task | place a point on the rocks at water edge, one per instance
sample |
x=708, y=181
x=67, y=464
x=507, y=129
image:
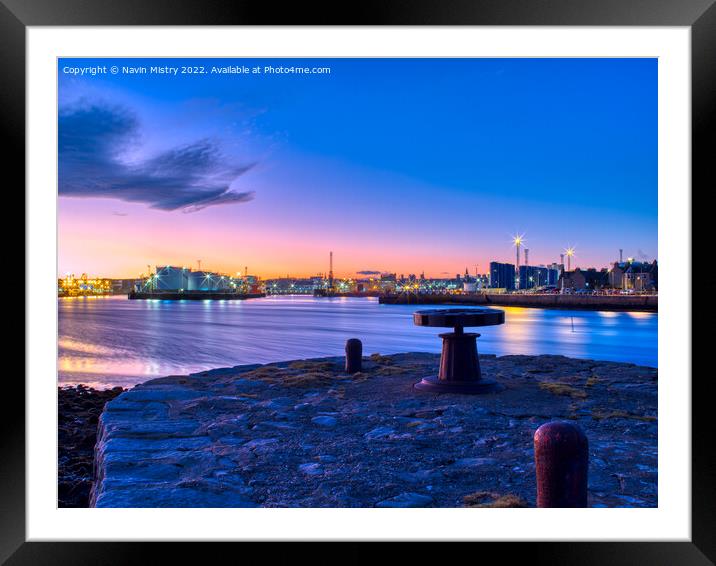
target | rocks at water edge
x=78, y=412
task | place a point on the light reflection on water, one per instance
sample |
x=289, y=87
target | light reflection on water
x=113, y=341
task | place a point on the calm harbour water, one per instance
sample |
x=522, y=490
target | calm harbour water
x=109, y=341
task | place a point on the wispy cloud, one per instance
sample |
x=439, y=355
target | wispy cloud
x=93, y=140
x=368, y=272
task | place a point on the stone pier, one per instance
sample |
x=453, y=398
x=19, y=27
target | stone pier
x=306, y=434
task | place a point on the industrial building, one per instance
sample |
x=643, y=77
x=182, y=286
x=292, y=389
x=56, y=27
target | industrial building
x=534, y=277
x=171, y=278
x=502, y=275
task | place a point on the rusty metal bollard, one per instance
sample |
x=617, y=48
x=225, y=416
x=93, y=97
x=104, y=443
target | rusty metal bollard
x=561, y=461
x=354, y=355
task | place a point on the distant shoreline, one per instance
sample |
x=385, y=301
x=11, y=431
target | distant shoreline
x=616, y=303
x=639, y=303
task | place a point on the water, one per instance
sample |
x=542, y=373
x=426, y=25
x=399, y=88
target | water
x=110, y=341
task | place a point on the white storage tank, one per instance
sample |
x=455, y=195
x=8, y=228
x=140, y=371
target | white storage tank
x=170, y=278
x=469, y=287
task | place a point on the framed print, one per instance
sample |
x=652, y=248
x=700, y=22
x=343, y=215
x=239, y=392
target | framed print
x=293, y=276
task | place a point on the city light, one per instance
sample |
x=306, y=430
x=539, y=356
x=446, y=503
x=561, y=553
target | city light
x=517, y=241
x=629, y=278
x=71, y=286
x=570, y=253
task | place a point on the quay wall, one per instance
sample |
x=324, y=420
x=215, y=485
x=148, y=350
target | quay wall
x=646, y=303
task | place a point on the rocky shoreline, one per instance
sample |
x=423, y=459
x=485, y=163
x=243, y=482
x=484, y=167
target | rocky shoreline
x=79, y=409
x=305, y=434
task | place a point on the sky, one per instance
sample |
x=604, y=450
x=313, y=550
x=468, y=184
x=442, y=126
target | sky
x=395, y=165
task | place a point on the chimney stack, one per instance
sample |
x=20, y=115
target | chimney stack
x=330, y=272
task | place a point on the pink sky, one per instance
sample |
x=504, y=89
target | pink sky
x=396, y=165
x=103, y=237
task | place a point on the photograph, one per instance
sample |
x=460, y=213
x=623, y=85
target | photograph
x=357, y=282
x=386, y=274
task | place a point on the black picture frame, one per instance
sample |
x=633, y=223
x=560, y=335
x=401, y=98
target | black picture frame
x=699, y=15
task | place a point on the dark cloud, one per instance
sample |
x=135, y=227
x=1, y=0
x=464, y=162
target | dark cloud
x=368, y=272
x=188, y=178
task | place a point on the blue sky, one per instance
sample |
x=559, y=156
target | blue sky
x=396, y=164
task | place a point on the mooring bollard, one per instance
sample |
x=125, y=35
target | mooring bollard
x=561, y=461
x=354, y=355
x=459, y=363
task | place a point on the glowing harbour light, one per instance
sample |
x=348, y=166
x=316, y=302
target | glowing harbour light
x=570, y=252
x=517, y=241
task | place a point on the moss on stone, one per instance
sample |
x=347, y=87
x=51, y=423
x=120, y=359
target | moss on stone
x=391, y=370
x=308, y=379
x=564, y=389
x=359, y=377
x=290, y=378
x=601, y=415
x=379, y=359
x=492, y=499
x=592, y=381
x=312, y=366
x=263, y=371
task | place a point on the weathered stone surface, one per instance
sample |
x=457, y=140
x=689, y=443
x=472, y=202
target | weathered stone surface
x=325, y=421
x=406, y=500
x=379, y=432
x=311, y=469
x=305, y=434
